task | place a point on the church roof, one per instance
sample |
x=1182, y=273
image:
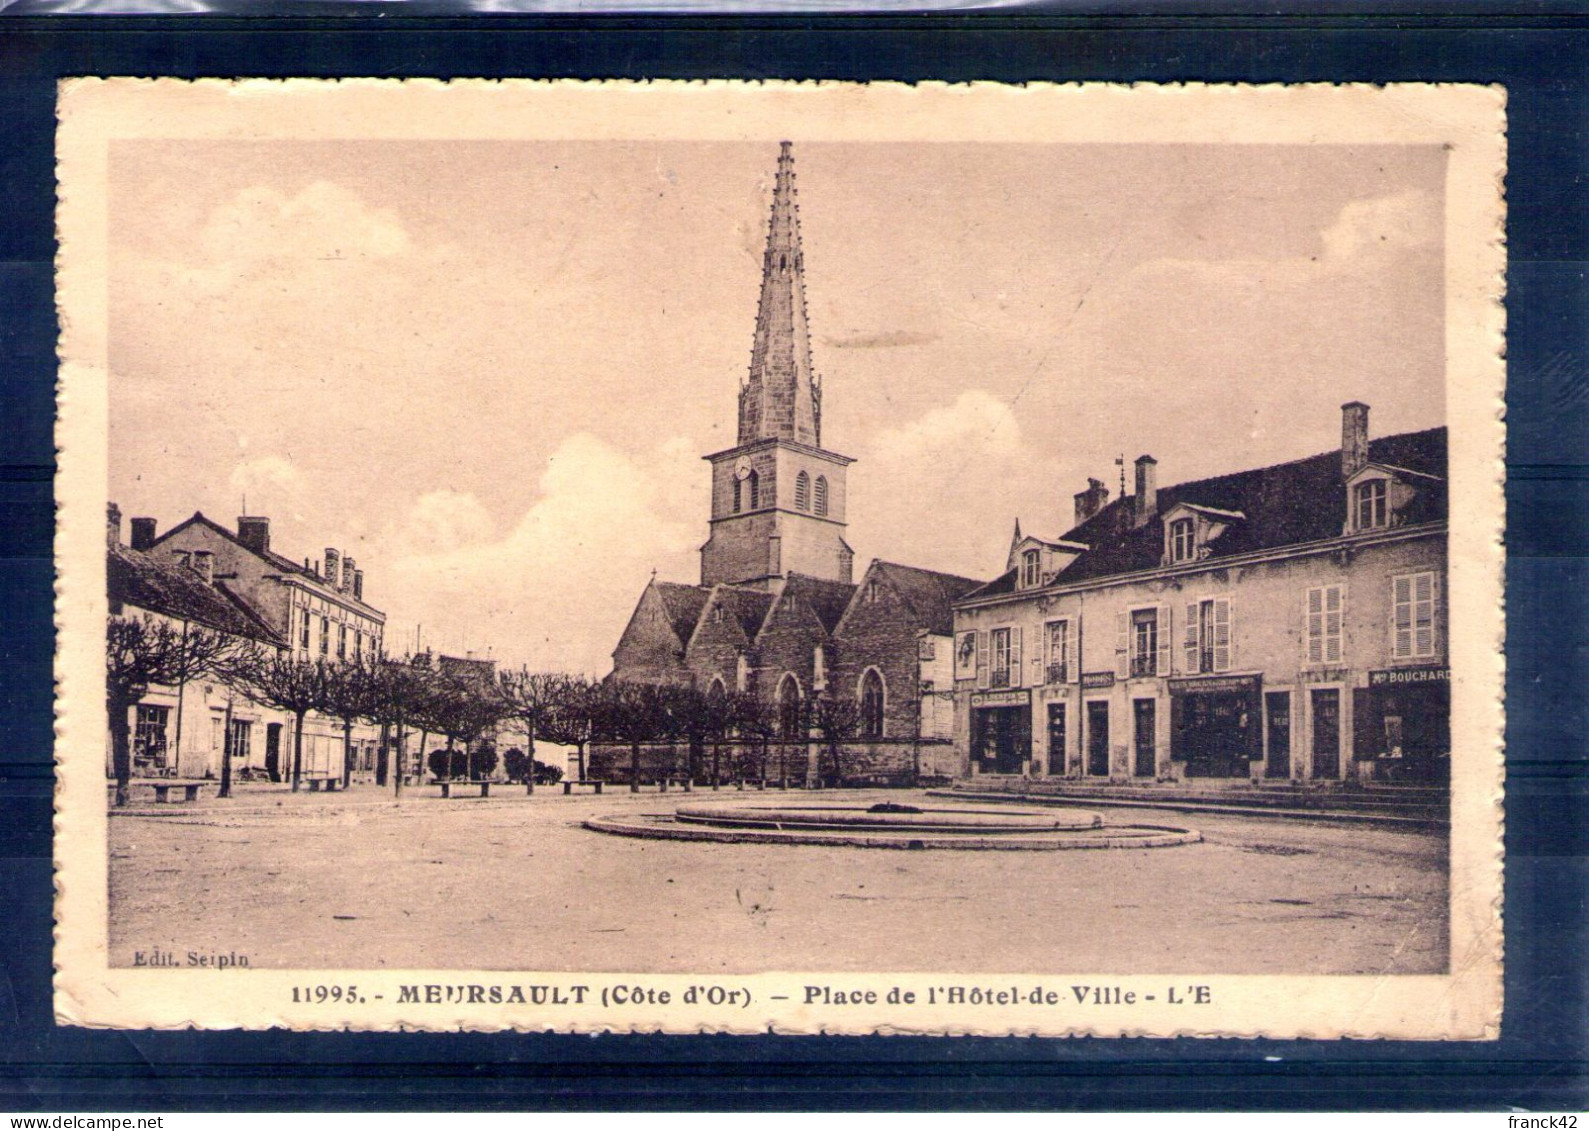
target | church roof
x=826, y=599
x=135, y=578
x=1284, y=504
x=930, y=594
x=683, y=605
x=748, y=606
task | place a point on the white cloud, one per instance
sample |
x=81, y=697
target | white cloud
x=965, y=459
x=556, y=589
x=268, y=482
x=1400, y=221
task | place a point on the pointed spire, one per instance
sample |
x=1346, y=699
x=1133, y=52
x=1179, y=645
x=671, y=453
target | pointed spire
x=781, y=399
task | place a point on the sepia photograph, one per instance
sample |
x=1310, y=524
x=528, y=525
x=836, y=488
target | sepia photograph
x=841, y=559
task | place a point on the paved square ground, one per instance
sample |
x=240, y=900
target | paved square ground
x=352, y=881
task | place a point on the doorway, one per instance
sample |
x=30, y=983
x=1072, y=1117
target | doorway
x=273, y=751
x=1145, y=716
x=1098, y=738
x=1056, y=739
x=1277, y=711
x=1002, y=738
x=1326, y=733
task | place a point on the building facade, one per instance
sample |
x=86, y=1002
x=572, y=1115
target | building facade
x=203, y=573
x=776, y=612
x=1285, y=622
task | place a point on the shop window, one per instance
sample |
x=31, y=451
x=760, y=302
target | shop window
x=1325, y=615
x=1370, y=504
x=1059, y=645
x=1413, y=617
x=1208, y=640
x=802, y=492
x=1183, y=538
x=822, y=495
x=1031, y=568
x=149, y=750
x=871, y=704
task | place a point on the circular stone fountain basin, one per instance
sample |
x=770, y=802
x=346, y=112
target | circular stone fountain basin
x=891, y=826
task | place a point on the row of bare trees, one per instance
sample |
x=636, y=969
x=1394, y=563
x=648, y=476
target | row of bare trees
x=411, y=694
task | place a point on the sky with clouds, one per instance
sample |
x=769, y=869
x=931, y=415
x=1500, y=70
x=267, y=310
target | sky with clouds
x=489, y=370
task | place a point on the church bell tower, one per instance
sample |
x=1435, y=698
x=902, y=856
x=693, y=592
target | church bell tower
x=778, y=496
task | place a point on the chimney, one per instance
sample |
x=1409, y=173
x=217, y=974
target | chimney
x=358, y=584
x=142, y=533
x=1090, y=501
x=1354, y=438
x=113, y=525
x=333, y=569
x=254, y=532
x=347, y=573
x=203, y=563
x=1147, y=504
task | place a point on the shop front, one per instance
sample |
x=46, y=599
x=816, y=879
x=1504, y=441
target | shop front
x=1402, y=724
x=1215, y=726
x=1001, y=731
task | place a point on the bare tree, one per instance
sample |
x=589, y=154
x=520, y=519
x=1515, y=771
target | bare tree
x=835, y=719
x=277, y=679
x=633, y=713
x=398, y=692
x=141, y=651
x=349, y=697
x=572, y=721
x=531, y=698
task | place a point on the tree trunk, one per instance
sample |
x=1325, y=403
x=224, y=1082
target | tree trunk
x=529, y=740
x=398, y=756
x=382, y=755
x=579, y=756
x=347, y=752
x=226, y=752
x=634, y=767
x=121, y=747
x=297, y=749
x=717, y=764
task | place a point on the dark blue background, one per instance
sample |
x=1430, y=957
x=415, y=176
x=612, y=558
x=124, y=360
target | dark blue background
x=1542, y=59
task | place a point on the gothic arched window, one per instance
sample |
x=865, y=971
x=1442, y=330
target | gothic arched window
x=802, y=492
x=789, y=712
x=822, y=495
x=754, y=482
x=739, y=491
x=871, y=704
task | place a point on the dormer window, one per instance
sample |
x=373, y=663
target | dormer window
x=1369, y=503
x=1031, y=568
x=1183, y=540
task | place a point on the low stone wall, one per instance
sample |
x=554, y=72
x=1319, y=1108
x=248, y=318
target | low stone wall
x=887, y=762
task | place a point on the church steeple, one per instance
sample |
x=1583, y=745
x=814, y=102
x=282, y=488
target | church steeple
x=781, y=399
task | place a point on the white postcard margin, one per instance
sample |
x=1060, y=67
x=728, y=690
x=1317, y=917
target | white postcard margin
x=1468, y=120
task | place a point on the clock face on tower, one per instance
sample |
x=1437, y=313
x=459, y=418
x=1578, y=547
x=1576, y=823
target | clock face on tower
x=742, y=467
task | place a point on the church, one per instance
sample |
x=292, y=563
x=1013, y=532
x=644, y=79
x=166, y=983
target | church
x=777, y=612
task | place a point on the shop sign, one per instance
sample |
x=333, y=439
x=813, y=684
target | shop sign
x=1218, y=685
x=1001, y=699
x=1095, y=680
x=1400, y=677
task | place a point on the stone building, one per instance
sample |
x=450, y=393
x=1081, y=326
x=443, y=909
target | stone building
x=777, y=611
x=316, y=610
x=1285, y=622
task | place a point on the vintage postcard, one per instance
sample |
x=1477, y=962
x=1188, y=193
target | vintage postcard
x=811, y=558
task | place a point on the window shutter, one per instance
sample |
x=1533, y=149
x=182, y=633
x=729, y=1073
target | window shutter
x=1313, y=626
x=1122, y=645
x=1332, y=624
x=1073, y=650
x=1222, y=634
x=982, y=657
x=1189, y=641
x=1163, y=662
x=1016, y=675
x=1434, y=615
